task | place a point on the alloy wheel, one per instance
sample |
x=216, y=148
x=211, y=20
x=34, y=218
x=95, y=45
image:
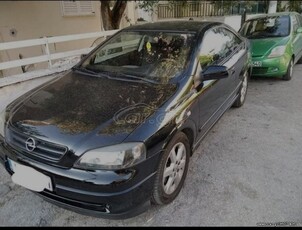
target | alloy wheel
x=174, y=168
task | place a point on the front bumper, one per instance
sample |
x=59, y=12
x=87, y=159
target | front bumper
x=271, y=67
x=107, y=194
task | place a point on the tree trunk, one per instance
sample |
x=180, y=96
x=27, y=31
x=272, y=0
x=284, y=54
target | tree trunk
x=112, y=18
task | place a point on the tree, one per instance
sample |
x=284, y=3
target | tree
x=294, y=6
x=112, y=17
x=113, y=11
x=148, y=5
x=226, y=7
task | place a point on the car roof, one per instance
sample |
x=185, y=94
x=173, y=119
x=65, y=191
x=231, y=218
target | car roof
x=273, y=14
x=177, y=26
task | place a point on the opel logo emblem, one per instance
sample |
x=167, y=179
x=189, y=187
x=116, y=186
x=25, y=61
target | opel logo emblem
x=30, y=144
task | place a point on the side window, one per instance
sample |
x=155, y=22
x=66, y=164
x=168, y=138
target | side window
x=217, y=45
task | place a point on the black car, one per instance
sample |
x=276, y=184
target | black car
x=116, y=133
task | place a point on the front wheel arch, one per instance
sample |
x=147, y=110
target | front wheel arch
x=189, y=128
x=190, y=135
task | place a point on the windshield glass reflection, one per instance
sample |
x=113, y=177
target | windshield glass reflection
x=152, y=55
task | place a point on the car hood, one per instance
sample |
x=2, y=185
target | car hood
x=262, y=47
x=78, y=109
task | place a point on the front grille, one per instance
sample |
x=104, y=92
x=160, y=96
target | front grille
x=43, y=149
x=260, y=70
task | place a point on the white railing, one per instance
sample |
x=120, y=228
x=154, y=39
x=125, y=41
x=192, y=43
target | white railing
x=48, y=56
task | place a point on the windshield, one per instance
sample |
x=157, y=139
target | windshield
x=274, y=26
x=158, y=56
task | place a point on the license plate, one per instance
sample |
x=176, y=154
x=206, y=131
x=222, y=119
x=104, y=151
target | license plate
x=257, y=63
x=29, y=177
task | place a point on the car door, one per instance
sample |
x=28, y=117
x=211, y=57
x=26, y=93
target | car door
x=218, y=47
x=297, y=37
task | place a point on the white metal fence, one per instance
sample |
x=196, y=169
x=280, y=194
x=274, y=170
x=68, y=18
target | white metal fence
x=48, y=56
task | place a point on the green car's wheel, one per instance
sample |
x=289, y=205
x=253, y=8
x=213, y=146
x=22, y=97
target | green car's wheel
x=290, y=70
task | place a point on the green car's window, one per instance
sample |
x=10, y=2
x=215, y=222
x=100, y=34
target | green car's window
x=273, y=26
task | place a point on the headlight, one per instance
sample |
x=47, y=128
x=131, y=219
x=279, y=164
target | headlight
x=277, y=51
x=2, y=122
x=113, y=157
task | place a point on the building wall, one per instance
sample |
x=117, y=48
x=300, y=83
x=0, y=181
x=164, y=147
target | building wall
x=36, y=19
x=131, y=13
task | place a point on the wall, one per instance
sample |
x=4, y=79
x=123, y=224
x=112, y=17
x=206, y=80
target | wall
x=131, y=13
x=35, y=19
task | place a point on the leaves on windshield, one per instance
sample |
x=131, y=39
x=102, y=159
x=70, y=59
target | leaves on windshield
x=154, y=55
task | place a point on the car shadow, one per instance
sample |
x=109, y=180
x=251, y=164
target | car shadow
x=269, y=80
x=259, y=78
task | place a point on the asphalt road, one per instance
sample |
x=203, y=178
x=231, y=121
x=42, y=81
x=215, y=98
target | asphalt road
x=246, y=171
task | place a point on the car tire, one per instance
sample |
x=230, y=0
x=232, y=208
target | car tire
x=172, y=170
x=290, y=70
x=242, y=91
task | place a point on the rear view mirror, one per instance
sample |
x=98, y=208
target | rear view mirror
x=214, y=72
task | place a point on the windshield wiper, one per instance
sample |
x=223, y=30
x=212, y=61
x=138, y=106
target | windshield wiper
x=91, y=72
x=130, y=76
x=113, y=75
x=82, y=69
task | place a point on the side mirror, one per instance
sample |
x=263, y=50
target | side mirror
x=214, y=72
x=299, y=30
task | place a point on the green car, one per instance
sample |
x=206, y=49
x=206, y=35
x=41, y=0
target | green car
x=276, y=41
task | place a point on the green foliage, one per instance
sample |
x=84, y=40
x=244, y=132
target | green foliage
x=294, y=6
x=291, y=5
x=150, y=6
x=147, y=5
x=226, y=6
